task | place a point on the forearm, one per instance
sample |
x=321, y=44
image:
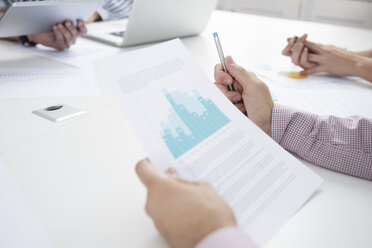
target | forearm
x=95, y=17
x=339, y=144
x=115, y=9
x=366, y=53
x=364, y=68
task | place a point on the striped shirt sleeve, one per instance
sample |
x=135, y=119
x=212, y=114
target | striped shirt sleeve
x=339, y=144
x=4, y=4
x=115, y=9
x=227, y=237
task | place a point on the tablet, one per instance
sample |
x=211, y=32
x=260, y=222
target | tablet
x=24, y=18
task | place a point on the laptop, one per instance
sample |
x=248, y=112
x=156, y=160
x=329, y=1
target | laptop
x=154, y=20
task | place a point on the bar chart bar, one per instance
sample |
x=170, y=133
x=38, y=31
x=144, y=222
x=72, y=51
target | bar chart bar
x=191, y=120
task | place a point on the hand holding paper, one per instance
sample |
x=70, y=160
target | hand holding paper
x=184, y=121
x=180, y=207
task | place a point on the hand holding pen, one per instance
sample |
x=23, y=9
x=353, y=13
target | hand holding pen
x=222, y=57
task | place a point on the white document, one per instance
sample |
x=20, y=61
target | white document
x=184, y=121
x=19, y=226
x=83, y=53
x=321, y=94
x=46, y=82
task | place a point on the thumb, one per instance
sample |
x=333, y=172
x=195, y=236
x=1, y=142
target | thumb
x=314, y=47
x=312, y=71
x=244, y=78
x=238, y=72
x=147, y=173
x=172, y=173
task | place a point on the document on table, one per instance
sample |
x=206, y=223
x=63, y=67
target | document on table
x=321, y=94
x=80, y=54
x=184, y=121
x=46, y=82
x=19, y=226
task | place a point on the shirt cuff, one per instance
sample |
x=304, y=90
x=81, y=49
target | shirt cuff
x=103, y=13
x=289, y=126
x=227, y=237
x=281, y=116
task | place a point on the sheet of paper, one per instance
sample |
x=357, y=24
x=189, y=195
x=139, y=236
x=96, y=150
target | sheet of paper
x=320, y=94
x=183, y=121
x=19, y=227
x=83, y=53
x=46, y=82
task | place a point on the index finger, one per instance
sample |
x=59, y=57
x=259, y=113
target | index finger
x=221, y=76
x=59, y=41
x=147, y=173
x=313, y=47
x=82, y=28
x=287, y=50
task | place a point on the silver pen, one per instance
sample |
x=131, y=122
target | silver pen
x=221, y=55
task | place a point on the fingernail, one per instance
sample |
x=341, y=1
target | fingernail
x=227, y=80
x=230, y=61
x=171, y=171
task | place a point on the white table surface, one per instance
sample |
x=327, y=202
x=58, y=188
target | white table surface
x=79, y=177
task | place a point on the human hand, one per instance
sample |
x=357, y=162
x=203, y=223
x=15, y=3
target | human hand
x=316, y=58
x=63, y=36
x=298, y=53
x=253, y=96
x=184, y=212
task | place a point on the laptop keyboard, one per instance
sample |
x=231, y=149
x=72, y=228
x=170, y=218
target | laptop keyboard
x=119, y=34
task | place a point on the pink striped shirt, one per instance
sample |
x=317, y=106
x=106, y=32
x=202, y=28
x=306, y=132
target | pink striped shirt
x=339, y=144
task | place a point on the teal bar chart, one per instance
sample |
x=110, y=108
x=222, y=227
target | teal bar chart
x=191, y=120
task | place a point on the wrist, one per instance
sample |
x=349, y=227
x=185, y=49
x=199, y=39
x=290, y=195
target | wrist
x=27, y=41
x=267, y=127
x=363, y=68
x=205, y=231
x=95, y=17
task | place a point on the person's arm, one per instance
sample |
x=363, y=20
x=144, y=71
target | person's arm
x=94, y=18
x=189, y=214
x=316, y=58
x=339, y=144
x=115, y=9
x=364, y=68
x=366, y=53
